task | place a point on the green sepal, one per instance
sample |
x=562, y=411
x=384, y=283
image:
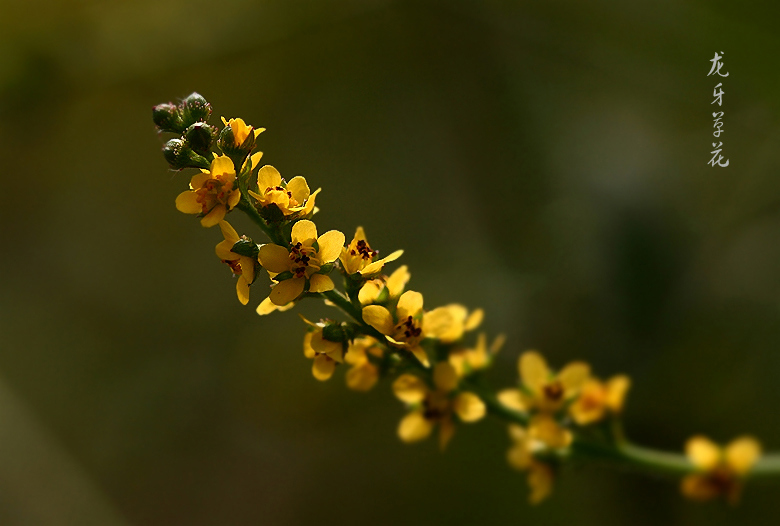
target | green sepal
x=271, y=213
x=167, y=117
x=283, y=276
x=200, y=136
x=325, y=269
x=180, y=156
x=246, y=247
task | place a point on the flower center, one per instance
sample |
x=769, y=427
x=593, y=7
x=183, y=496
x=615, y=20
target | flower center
x=235, y=266
x=409, y=329
x=553, y=391
x=302, y=257
x=363, y=250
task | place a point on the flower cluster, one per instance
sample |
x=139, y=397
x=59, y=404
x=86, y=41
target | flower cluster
x=435, y=358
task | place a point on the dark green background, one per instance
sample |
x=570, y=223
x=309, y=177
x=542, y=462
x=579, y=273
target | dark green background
x=544, y=160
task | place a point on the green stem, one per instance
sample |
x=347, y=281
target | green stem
x=633, y=457
x=273, y=234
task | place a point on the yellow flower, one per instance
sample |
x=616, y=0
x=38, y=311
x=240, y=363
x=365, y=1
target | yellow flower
x=521, y=457
x=597, y=399
x=241, y=266
x=212, y=192
x=363, y=374
x=721, y=471
x=383, y=289
x=467, y=361
x=302, y=261
x=291, y=198
x=407, y=331
x=325, y=353
x=358, y=256
x=431, y=407
x=241, y=130
x=449, y=323
x=544, y=391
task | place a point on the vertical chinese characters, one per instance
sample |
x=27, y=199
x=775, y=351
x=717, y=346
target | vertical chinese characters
x=717, y=158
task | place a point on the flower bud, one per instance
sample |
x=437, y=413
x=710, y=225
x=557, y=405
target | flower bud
x=167, y=117
x=195, y=108
x=246, y=247
x=199, y=137
x=334, y=331
x=180, y=156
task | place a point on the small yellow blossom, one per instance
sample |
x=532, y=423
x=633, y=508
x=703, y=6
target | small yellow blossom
x=521, y=457
x=467, y=361
x=597, y=399
x=291, y=198
x=406, y=330
x=325, y=353
x=544, y=391
x=363, y=374
x=241, y=130
x=449, y=323
x=359, y=258
x=379, y=290
x=721, y=471
x=241, y=266
x=431, y=407
x=212, y=192
x=303, y=261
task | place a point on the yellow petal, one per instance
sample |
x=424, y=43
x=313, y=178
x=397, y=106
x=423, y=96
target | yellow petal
x=222, y=165
x=398, y=280
x=323, y=367
x=379, y=318
x=255, y=159
x=376, y=266
x=187, y=202
x=444, y=377
x=469, y=407
x=223, y=251
x=228, y=232
x=323, y=346
x=498, y=343
x=267, y=307
x=409, y=304
x=414, y=427
x=362, y=378
x=617, y=387
x=287, y=291
x=360, y=234
x=216, y=215
x=268, y=177
x=308, y=351
x=199, y=179
x=533, y=370
x=474, y=320
x=242, y=290
x=274, y=258
x=702, y=452
x=513, y=399
x=544, y=428
x=519, y=457
x=742, y=453
x=410, y=389
x=421, y=355
x=369, y=292
x=320, y=283
x=331, y=243
x=540, y=480
x=446, y=431
x=299, y=189
x=517, y=433
x=234, y=198
x=443, y=323
x=573, y=376
x=303, y=231
x=310, y=203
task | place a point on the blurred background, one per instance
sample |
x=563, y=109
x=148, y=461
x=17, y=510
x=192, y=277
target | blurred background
x=547, y=161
